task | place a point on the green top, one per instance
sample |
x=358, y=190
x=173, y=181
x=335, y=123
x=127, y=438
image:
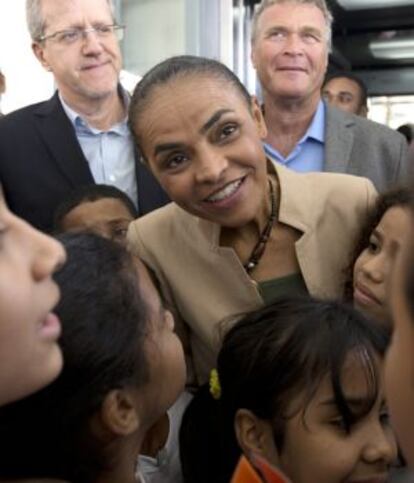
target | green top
x=292, y=284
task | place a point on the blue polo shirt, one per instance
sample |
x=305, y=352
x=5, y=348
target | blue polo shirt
x=308, y=154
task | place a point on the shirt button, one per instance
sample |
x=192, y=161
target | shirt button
x=112, y=178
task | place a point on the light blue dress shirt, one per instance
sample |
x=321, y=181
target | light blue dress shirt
x=110, y=153
x=308, y=154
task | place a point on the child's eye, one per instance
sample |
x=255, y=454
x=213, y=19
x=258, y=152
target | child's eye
x=373, y=246
x=384, y=417
x=337, y=423
x=340, y=425
x=119, y=233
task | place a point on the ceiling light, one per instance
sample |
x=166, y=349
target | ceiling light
x=370, y=4
x=393, y=49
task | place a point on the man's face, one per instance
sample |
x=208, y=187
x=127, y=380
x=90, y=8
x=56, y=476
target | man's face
x=290, y=51
x=344, y=94
x=88, y=69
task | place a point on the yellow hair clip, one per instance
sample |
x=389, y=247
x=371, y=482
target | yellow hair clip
x=215, y=388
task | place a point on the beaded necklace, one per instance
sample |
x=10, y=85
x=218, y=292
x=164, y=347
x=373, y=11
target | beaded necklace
x=260, y=246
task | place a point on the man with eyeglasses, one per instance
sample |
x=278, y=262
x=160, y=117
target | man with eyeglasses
x=80, y=135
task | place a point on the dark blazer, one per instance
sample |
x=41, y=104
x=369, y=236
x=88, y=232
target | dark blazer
x=361, y=147
x=41, y=161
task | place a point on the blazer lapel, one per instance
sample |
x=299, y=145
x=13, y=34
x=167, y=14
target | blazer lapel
x=297, y=210
x=59, y=136
x=307, y=252
x=339, y=139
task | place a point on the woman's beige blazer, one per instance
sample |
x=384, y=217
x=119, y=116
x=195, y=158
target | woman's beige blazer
x=206, y=284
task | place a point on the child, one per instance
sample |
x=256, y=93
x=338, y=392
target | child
x=124, y=367
x=98, y=208
x=299, y=384
x=159, y=459
x=29, y=354
x=380, y=241
x=107, y=211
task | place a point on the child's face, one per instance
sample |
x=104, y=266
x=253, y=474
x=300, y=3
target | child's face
x=107, y=217
x=399, y=366
x=317, y=447
x=165, y=353
x=29, y=354
x=373, y=267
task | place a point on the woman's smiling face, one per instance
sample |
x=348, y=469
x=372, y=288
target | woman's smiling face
x=203, y=143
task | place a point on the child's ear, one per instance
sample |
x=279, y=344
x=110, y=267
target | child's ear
x=119, y=414
x=255, y=435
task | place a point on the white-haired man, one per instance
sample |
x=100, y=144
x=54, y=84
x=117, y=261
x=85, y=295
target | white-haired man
x=291, y=40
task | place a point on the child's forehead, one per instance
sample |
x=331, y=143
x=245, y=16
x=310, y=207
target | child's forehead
x=102, y=208
x=360, y=372
x=115, y=204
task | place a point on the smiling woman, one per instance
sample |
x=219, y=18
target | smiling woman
x=240, y=231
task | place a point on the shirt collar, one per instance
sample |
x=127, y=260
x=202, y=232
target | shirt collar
x=316, y=130
x=79, y=123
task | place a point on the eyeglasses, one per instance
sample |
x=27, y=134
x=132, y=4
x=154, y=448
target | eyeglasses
x=73, y=36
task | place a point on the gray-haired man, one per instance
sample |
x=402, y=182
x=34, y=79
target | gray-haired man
x=291, y=40
x=80, y=135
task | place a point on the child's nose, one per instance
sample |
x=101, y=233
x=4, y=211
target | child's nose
x=381, y=446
